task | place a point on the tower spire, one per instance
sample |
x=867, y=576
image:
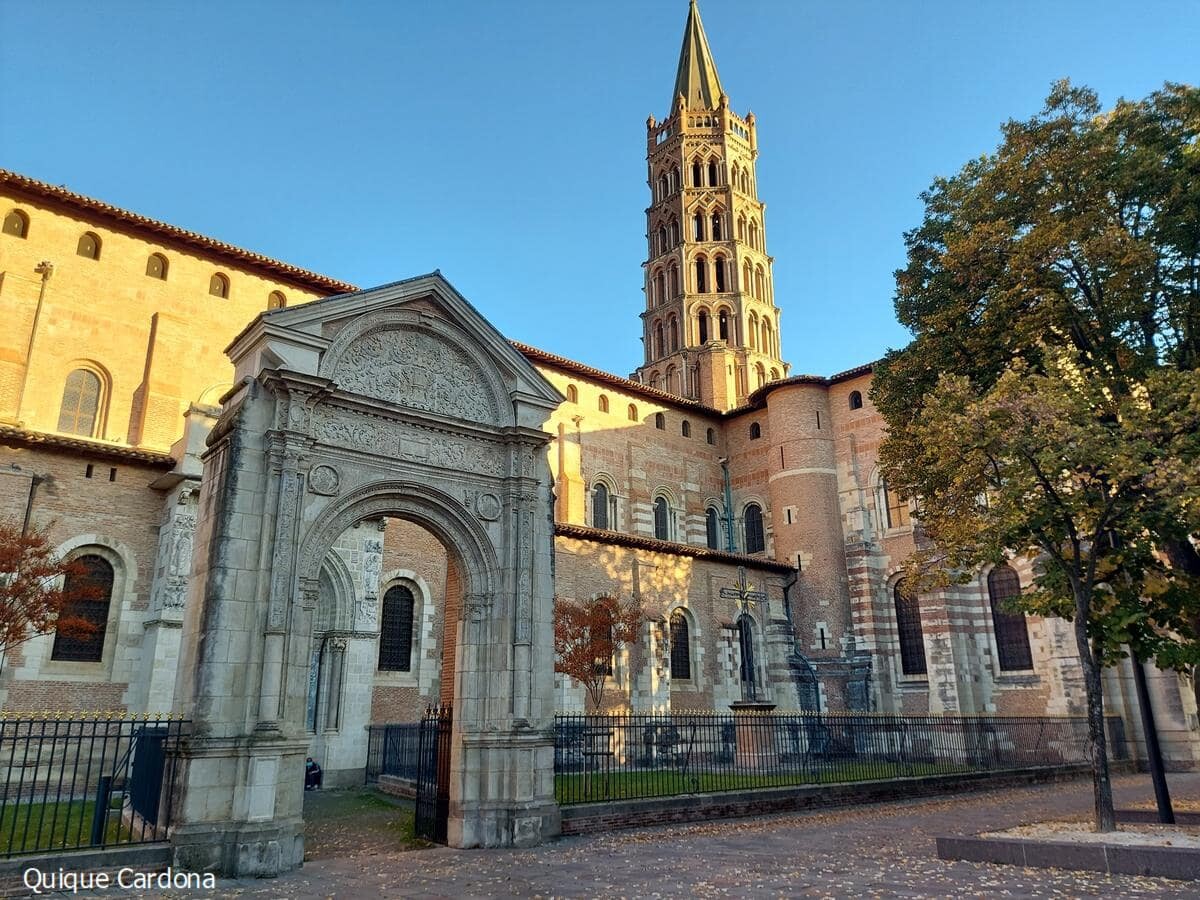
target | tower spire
x=696, y=78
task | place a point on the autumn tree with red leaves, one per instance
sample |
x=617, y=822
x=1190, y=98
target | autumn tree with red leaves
x=34, y=584
x=587, y=633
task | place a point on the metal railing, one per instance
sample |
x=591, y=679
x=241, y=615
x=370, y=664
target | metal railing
x=393, y=750
x=622, y=757
x=71, y=783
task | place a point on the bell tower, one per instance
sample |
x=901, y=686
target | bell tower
x=710, y=327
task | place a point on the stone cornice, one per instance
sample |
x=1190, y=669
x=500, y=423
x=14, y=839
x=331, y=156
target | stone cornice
x=11, y=435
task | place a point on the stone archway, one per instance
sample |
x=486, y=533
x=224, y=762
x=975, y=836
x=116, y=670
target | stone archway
x=402, y=402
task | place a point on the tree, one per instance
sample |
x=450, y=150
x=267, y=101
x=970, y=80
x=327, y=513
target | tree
x=34, y=584
x=587, y=634
x=1053, y=291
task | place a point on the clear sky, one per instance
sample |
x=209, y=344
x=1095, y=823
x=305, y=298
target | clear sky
x=504, y=142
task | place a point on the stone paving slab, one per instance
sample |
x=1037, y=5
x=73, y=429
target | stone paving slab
x=884, y=850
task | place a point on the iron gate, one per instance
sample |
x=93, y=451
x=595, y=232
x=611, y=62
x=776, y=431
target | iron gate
x=433, y=775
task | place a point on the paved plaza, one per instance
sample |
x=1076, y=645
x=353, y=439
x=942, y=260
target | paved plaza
x=885, y=850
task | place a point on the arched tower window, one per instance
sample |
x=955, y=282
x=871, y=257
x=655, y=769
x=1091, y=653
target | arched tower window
x=664, y=186
x=752, y=331
x=658, y=292
x=748, y=278
x=908, y=627
x=675, y=180
x=396, y=630
x=673, y=232
x=701, y=275
x=603, y=403
x=1012, y=634
x=673, y=279
x=698, y=226
x=662, y=519
x=712, y=526
x=768, y=345
x=760, y=283
x=697, y=174
x=719, y=268
x=760, y=373
x=218, y=285
x=156, y=266
x=756, y=541
x=89, y=591
x=600, y=506
x=16, y=224
x=658, y=340
x=723, y=325
x=856, y=400
x=669, y=380
x=681, y=647
x=88, y=246
x=702, y=326
x=673, y=334
x=716, y=227
x=741, y=228
x=712, y=173
x=80, y=409
x=754, y=234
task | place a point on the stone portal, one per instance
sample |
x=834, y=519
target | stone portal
x=400, y=401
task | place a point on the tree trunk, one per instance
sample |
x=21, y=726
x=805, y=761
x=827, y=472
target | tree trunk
x=1106, y=819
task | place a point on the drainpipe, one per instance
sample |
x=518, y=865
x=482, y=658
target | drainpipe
x=724, y=461
x=45, y=268
x=34, y=481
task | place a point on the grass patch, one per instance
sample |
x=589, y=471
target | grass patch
x=31, y=827
x=347, y=823
x=596, y=787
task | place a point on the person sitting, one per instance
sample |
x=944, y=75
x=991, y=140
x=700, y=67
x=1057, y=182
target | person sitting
x=312, y=775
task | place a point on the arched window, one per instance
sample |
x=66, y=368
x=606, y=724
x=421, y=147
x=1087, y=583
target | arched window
x=669, y=379
x=752, y=518
x=895, y=507
x=276, y=300
x=856, y=400
x=659, y=290
x=602, y=404
x=662, y=519
x=675, y=179
x=723, y=325
x=712, y=173
x=673, y=334
x=710, y=436
x=396, y=630
x=218, y=285
x=760, y=283
x=741, y=232
x=572, y=394
x=632, y=412
x=664, y=186
x=662, y=238
x=774, y=374
x=89, y=590
x=768, y=345
x=698, y=226
x=88, y=246
x=673, y=279
x=908, y=627
x=716, y=227
x=681, y=647
x=755, y=431
x=697, y=174
x=156, y=266
x=752, y=331
x=712, y=527
x=80, y=409
x=1012, y=635
x=754, y=234
x=655, y=379
x=660, y=421
x=600, y=506
x=701, y=275
x=748, y=278
x=658, y=340
x=720, y=273
x=686, y=428
x=760, y=374
x=16, y=223
x=702, y=326
x=733, y=175
x=673, y=232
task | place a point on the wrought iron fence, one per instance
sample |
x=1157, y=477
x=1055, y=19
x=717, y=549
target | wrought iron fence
x=71, y=783
x=393, y=750
x=620, y=757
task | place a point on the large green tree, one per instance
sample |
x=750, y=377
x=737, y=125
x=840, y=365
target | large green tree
x=1045, y=404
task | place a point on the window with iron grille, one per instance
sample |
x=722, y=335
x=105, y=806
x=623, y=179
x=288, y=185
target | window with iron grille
x=80, y=403
x=908, y=626
x=681, y=646
x=91, y=587
x=756, y=541
x=1012, y=635
x=396, y=630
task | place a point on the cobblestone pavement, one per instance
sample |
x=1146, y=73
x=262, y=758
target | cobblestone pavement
x=884, y=850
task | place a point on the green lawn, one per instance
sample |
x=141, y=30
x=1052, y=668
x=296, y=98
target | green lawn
x=588, y=788
x=30, y=827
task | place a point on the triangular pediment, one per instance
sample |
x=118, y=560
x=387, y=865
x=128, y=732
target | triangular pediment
x=417, y=343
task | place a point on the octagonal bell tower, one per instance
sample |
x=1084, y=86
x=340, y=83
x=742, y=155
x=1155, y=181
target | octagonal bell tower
x=710, y=326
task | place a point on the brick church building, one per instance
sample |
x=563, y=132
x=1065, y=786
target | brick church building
x=714, y=465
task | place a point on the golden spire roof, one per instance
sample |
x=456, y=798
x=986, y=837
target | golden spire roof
x=697, y=78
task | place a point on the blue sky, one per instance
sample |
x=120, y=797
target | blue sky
x=504, y=142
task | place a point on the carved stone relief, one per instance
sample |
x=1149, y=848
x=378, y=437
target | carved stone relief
x=415, y=369
x=324, y=480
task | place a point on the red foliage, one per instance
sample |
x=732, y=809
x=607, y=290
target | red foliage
x=587, y=634
x=32, y=581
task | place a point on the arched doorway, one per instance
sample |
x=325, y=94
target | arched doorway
x=395, y=403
